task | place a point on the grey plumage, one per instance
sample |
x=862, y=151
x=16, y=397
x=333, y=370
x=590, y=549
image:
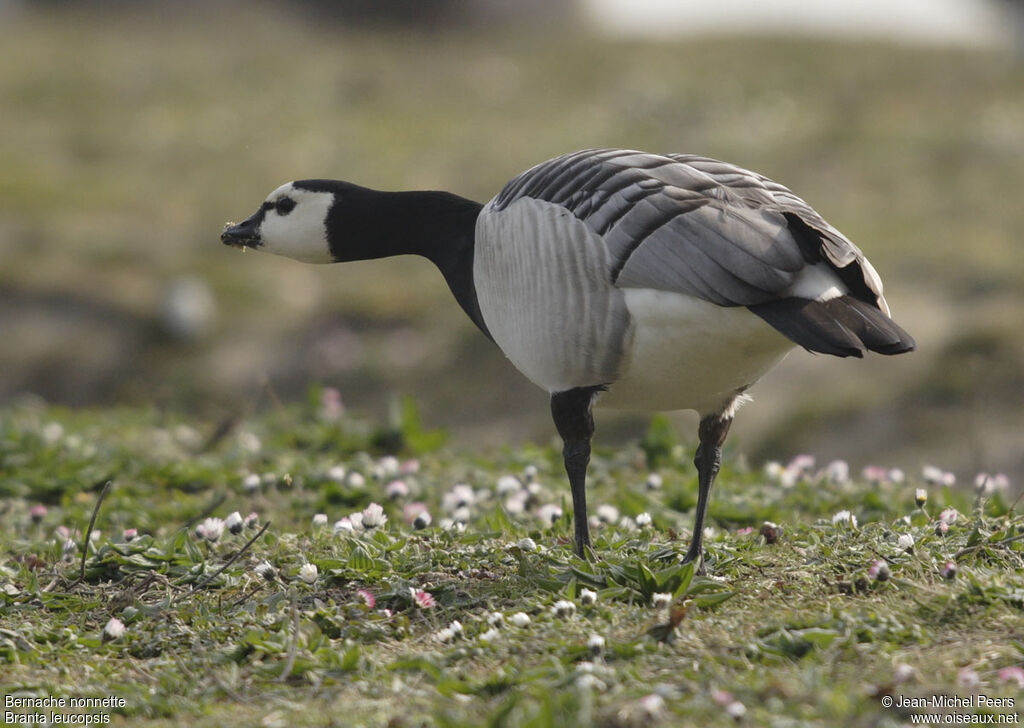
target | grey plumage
x=694, y=225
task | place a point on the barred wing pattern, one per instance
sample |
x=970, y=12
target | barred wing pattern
x=694, y=225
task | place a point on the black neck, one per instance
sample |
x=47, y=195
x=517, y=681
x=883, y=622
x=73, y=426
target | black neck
x=365, y=224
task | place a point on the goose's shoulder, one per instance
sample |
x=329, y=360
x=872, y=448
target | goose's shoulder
x=581, y=181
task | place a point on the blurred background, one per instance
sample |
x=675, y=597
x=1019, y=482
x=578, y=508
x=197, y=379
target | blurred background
x=130, y=132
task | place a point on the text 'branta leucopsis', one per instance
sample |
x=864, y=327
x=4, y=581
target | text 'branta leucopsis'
x=645, y=281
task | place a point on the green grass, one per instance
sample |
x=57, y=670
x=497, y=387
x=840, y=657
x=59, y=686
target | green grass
x=797, y=631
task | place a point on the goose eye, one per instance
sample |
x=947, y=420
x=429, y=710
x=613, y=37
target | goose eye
x=284, y=205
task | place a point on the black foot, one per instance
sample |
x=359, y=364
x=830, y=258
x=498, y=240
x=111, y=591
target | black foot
x=571, y=412
x=712, y=432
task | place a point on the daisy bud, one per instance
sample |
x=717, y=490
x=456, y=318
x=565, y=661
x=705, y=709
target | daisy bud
x=587, y=597
x=526, y=544
x=251, y=520
x=265, y=571
x=844, y=517
x=460, y=496
x=920, y=497
x=130, y=534
x=251, y=483
x=234, y=523
x=549, y=513
x=838, y=472
x=941, y=528
x=879, y=571
x=37, y=513
x=495, y=619
x=515, y=503
x=905, y=542
x=607, y=513
x=653, y=482
x=308, y=573
x=342, y=525
x=736, y=710
x=212, y=529
x=770, y=531
x=490, y=635
x=802, y=464
x=661, y=600
x=422, y=599
x=114, y=629
x=651, y=706
x=368, y=599
x=967, y=678
x=595, y=643
x=563, y=608
x=319, y=520
x=1012, y=674
x=530, y=473
x=422, y=520
x=520, y=619
x=901, y=673
x=949, y=570
x=508, y=484
x=643, y=520
x=396, y=489
x=875, y=474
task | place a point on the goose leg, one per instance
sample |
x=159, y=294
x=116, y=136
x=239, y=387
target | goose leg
x=571, y=411
x=712, y=432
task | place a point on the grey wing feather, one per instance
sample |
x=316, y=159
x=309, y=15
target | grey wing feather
x=696, y=225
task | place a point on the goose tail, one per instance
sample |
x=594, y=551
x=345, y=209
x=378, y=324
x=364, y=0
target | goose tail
x=841, y=326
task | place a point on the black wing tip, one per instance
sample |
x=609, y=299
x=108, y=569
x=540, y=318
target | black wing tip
x=843, y=326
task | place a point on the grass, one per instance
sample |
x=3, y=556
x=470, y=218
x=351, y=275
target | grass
x=800, y=631
x=125, y=145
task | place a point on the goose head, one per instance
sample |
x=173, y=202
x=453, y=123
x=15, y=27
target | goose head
x=292, y=222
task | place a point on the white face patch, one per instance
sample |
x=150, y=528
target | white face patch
x=298, y=230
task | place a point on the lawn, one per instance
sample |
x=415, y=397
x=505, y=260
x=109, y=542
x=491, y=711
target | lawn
x=825, y=595
x=127, y=141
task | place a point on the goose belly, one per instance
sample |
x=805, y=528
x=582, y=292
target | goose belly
x=687, y=353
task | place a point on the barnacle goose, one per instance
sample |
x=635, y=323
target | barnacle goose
x=648, y=281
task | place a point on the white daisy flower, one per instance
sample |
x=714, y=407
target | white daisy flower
x=373, y=516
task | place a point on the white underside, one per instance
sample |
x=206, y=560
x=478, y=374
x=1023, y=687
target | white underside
x=687, y=353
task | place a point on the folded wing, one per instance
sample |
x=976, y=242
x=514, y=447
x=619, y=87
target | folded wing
x=709, y=229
